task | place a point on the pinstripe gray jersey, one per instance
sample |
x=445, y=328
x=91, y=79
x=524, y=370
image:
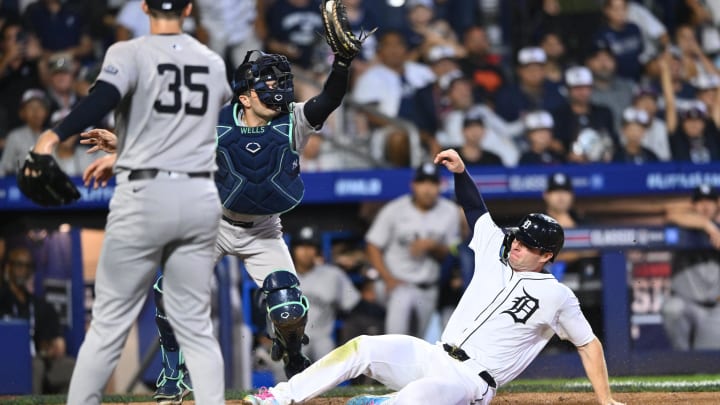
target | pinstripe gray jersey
x=172, y=89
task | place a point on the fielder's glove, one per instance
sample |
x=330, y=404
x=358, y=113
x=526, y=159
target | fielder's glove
x=45, y=183
x=344, y=44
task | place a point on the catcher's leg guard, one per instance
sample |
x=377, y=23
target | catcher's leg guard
x=287, y=310
x=173, y=381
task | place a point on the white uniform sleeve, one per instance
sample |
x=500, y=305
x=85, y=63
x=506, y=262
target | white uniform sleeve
x=380, y=231
x=571, y=323
x=301, y=127
x=119, y=67
x=484, y=231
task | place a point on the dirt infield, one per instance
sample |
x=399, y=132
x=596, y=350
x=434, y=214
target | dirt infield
x=564, y=398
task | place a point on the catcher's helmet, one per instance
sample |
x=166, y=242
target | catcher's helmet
x=538, y=231
x=257, y=69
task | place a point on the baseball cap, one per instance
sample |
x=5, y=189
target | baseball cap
x=531, y=54
x=600, y=45
x=704, y=192
x=472, y=119
x=645, y=90
x=635, y=115
x=424, y=3
x=446, y=80
x=427, y=172
x=307, y=235
x=578, y=76
x=167, y=5
x=694, y=109
x=538, y=120
x=705, y=81
x=440, y=52
x=60, y=63
x=559, y=181
x=34, y=94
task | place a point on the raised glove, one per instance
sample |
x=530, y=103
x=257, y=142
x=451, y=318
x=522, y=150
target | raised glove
x=45, y=183
x=344, y=44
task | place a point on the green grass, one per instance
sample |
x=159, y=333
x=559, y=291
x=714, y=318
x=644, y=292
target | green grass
x=678, y=383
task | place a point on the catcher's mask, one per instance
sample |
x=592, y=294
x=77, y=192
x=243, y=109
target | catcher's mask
x=257, y=69
x=537, y=231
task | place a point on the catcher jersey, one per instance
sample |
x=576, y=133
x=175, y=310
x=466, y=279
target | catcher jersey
x=172, y=89
x=505, y=318
x=257, y=176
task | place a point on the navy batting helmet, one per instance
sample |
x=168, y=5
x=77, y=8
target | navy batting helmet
x=257, y=69
x=539, y=231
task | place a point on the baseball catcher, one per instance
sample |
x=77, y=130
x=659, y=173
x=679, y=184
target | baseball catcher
x=42, y=181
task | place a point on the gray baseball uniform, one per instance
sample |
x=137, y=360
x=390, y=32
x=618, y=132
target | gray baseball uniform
x=328, y=289
x=172, y=89
x=261, y=247
x=396, y=226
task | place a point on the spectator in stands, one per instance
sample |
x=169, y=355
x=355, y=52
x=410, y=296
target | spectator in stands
x=407, y=241
x=61, y=84
x=670, y=59
x=580, y=113
x=400, y=80
x=694, y=61
x=532, y=91
x=60, y=29
x=654, y=33
x=362, y=17
x=232, y=27
x=552, y=43
x=315, y=158
x=292, y=31
x=51, y=365
x=472, y=152
x=609, y=90
x=327, y=288
x=542, y=145
x=426, y=31
x=656, y=135
x=623, y=37
x=634, y=125
x=693, y=137
x=690, y=314
x=459, y=102
x=34, y=110
x=481, y=65
x=707, y=87
x=19, y=71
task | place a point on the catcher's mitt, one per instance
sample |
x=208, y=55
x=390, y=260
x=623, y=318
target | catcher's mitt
x=45, y=183
x=344, y=44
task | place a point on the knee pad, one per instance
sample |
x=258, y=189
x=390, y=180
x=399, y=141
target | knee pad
x=283, y=299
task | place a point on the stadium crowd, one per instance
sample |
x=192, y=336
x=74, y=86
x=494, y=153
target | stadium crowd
x=504, y=82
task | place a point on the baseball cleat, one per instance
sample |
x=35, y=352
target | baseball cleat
x=263, y=397
x=369, y=400
x=171, y=391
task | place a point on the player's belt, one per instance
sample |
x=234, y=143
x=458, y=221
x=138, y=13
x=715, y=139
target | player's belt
x=460, y=355
x=241, y=224
x=149, y=174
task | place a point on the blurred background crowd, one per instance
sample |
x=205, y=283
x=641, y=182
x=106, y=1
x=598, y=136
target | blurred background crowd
x=506, y=83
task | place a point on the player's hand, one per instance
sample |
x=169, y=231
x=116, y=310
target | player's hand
x=101, y=139
x=420, y=247
x=391, y=283
x=99, y=171
x=450, y=159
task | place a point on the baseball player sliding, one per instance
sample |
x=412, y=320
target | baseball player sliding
x=259, y=137
x=508, y=313
x=168, y=90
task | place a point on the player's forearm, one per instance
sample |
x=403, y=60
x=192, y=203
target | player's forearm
x=593, y=360
x=468, y=196
x=319, y=108
x=377, y=262
x=93, y=108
